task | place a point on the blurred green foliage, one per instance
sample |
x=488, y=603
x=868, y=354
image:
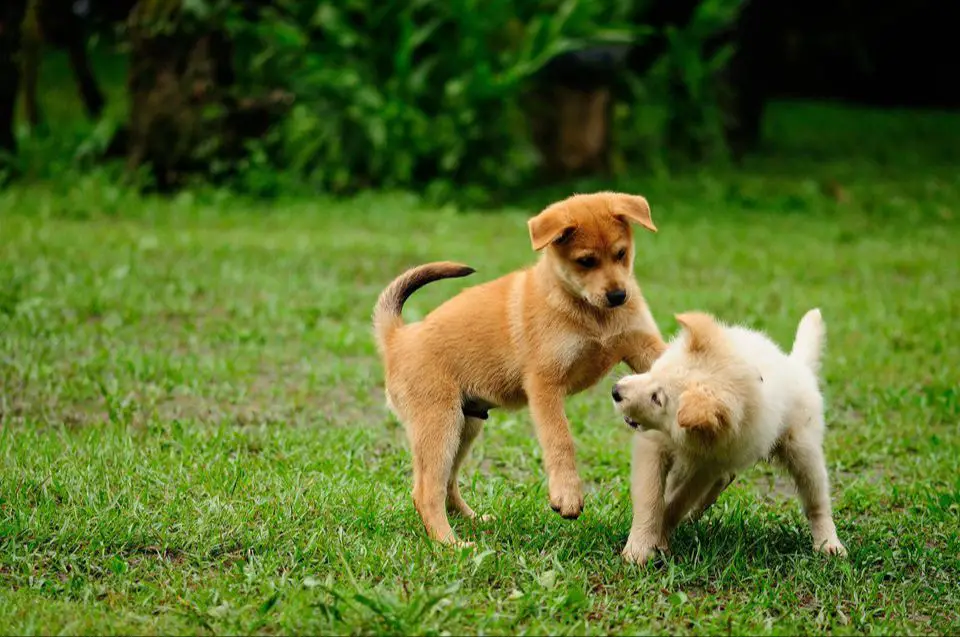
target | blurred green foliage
x=410, y=92
x=429, y=93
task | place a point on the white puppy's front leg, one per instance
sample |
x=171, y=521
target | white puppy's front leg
x=710, y=497
x=683, y=473
x=802, y=455
x=690, y=494
x=651, y=461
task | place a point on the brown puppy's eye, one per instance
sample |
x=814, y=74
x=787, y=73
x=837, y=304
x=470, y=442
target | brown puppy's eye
x=655, y=397
x=621, y=255
x=564, y=236
x=587, y=262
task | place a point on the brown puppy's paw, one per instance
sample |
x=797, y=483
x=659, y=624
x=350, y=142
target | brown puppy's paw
x=567, y=499
x=486, y=517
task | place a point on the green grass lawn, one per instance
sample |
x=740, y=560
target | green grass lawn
x=194, y=437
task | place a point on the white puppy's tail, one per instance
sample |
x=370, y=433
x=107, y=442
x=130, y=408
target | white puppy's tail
x=808, y=344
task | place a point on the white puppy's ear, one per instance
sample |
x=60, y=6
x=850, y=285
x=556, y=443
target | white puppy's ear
x=703, y=333
x=632, y=208
x=700, y=410
x=550, y=225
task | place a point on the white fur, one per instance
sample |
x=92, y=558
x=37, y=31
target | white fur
x=768, y=405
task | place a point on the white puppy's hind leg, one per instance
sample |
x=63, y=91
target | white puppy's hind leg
x=802, y=455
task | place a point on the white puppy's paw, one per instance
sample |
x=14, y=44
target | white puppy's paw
x=832, y=547
x=486, y=517
x=638, y=551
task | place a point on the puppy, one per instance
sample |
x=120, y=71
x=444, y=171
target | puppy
x=531, y=337
x=718, y=400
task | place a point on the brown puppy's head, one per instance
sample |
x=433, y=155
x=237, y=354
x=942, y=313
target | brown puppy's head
x=589, y=244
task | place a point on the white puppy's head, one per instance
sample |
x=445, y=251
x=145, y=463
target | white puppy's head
x=695, y=388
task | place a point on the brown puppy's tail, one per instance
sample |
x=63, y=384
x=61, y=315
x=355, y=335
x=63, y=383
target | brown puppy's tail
x=386, y=314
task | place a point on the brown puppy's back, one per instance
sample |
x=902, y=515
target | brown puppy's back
x=479, y=356
x=386, y=314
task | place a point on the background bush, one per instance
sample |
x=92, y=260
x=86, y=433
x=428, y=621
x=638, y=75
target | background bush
x=428, y=93
x=402, y=93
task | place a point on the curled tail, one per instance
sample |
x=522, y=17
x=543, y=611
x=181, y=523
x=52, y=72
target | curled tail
x=386, y=314
x=808, y=344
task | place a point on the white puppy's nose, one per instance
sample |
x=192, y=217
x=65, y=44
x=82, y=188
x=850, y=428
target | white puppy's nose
x=616, y=394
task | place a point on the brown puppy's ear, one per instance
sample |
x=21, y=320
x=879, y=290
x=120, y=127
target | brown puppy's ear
x=632, y=208
x=548, y=226
x=701, y=411
x=702, y=330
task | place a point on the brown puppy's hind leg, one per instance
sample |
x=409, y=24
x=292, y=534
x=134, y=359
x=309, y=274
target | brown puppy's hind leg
x=455, y=502
x=435, y=429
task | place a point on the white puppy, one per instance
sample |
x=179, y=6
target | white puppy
x=716, y=402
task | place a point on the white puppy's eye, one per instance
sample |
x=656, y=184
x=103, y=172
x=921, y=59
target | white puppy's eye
x=655, y=397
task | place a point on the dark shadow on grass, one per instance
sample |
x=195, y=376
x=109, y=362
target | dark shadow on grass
x=714, y=542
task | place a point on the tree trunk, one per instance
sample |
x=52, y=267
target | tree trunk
x=11, y=23
x=183, y=114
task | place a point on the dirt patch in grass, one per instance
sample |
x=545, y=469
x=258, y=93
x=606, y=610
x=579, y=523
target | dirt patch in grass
x=36, y=409
x=773, y=483
x=136, y=555
x=278, y=395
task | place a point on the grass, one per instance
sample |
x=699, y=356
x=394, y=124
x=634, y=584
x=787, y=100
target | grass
x=194, y=439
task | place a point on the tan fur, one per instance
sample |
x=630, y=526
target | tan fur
x=701, y=411
x=702, y=331
x=531, y=337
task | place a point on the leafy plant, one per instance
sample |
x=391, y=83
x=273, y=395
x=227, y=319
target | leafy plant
x=426, y=95
x=691, y=80
x=413, y=92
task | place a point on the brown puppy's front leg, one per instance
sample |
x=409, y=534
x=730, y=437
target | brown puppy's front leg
x=553, y=430
x=641, y=349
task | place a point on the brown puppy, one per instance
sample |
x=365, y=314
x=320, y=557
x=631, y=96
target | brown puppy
x=531, y=337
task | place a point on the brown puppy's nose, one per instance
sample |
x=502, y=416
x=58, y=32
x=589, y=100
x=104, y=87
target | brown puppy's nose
x=616, y=394
x=616, y=297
